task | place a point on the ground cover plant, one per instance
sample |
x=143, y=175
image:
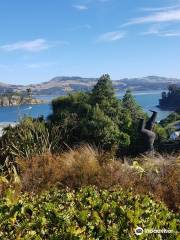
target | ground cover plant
x=87, y=213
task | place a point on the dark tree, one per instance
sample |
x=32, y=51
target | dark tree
x=29, y=92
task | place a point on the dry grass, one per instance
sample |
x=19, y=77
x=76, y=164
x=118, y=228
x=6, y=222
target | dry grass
x=161, y=177
x=74, y=168
x=158, y=175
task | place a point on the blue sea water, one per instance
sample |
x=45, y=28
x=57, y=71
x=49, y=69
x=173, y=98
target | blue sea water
x=148, y=100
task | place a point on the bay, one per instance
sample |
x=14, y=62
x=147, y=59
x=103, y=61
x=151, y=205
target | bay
x=147, y=100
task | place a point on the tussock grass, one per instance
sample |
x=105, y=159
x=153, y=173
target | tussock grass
x=156, y=175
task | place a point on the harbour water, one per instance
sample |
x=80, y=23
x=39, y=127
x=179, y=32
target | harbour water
x=147, y=100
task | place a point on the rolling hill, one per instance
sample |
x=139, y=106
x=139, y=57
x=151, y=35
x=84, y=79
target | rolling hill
x=63, y=85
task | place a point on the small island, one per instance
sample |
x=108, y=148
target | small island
x=170, y=100
x=15, y=98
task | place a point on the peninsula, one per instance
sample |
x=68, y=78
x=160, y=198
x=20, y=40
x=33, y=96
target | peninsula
x=15, y=99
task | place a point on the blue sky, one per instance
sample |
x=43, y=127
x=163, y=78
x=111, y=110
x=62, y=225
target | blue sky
x=41, y=39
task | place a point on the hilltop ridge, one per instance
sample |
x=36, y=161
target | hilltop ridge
x=64, y=84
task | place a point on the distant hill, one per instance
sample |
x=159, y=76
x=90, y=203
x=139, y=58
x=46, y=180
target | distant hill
x=64, y=84
x=4, y=87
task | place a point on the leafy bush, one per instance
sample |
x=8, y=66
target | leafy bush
x=87, y=213
x=161, y=134
x=169, y=126
x=173, y=117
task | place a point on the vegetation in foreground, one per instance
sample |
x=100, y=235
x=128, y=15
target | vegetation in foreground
x=158, y=176
x=87, y=213
x=39, y=155
x=98, y=118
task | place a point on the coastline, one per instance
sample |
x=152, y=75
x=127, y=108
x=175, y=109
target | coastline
x=8, y=101
x=26, y=104
x=166, y=108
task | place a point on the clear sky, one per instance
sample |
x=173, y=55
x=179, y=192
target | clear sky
x=41, y=39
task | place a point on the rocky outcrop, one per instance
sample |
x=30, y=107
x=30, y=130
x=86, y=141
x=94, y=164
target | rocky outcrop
x=171, y=99
x=15, y=100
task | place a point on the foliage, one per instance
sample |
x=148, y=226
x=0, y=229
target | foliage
x=161, y=134
x=24, y=140
x=84, y=212
x=103, y=90
x=97, y=117
x=85, y=166
x=172, y=118
x=74, y=168
x=170, y=124
x=135, y=112
x=87, y=213
x=130, y=103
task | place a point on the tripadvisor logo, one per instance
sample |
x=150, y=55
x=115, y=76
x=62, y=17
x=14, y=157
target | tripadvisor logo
x=138, y=231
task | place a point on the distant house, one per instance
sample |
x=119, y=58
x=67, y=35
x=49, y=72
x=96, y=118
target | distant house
x=175, y=135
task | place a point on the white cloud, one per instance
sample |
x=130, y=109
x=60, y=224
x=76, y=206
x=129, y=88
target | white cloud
x=160, y=8
x=81, y=7
x=111, y=36
x=159, y=31
x=30, y=46
x=170, y=34
x=157, y=17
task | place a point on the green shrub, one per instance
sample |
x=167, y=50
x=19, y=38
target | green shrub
x=161, y=134
x=172, y=118
x=24, y=140
x=84, y=214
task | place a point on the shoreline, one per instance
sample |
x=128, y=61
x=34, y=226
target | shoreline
x=26, y=104
x=166, y=108
x=18, y=100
